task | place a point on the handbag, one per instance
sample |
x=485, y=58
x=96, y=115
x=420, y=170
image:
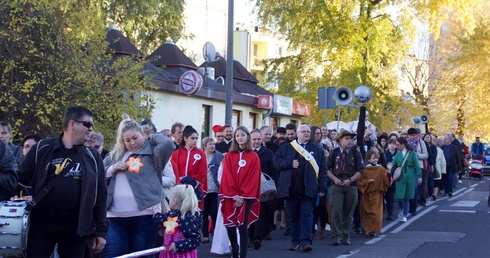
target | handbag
x=398, y=171
x=267, y=188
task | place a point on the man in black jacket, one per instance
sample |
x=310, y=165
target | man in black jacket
x=75, y=206
x=263, y=227
x=8, y=175
x=302, y=179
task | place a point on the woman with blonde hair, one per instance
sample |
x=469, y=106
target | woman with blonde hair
x=134, y=171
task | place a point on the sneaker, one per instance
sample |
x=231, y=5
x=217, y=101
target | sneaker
x=403, y=219
x=460, y=182
x=433, y=198
x=450, y=194
x=327, y=227
x=400, y=215
x=390, y=216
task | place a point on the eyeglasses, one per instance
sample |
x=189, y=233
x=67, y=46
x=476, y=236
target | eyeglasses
x=87, y=124
x=305, y=131
x=318, y=133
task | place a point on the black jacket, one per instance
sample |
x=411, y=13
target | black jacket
x=8, y=175
x=34, y=170
x=283, y=161
x=266, y=157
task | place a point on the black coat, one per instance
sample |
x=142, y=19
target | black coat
x=34, y=171
x=8, y=175
x=283, y=161
x=266, y=157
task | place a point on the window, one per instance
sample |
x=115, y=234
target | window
x=252, y=121
x=206, y=121
x=235, y=119
x=273, y=122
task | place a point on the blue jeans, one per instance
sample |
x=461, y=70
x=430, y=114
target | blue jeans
x=415, y=201
x=448, y=188
x=300, y=218
x=403, y=204
x=127, y=235
x=390, y=199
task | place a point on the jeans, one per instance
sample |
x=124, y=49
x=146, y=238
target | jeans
x=127, y=235
x=448, y=187
x=41, y=244
x=430, y=184
x=390, y=199
x=403, y=204
x=414, y=202
x=300, y=218
x=423, y=186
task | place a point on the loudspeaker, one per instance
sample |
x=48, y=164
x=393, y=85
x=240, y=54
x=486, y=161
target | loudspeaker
x=362, y=94
x=424, y=119
x=343, y=96
x=417, y=119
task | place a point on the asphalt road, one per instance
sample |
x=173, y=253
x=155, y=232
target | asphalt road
x=455, y=226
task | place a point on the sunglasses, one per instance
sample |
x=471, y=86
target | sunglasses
x=85, y=123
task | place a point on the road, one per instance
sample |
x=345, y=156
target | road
x=455, y=226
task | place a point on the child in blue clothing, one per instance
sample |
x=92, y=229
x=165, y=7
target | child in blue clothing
x=182, y=224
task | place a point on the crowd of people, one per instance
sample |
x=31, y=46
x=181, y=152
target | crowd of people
x=159, y=189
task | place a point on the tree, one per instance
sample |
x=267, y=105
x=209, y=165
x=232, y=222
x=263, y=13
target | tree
x=339, y=43
x=462, y=88
x=147, y=23
x=53, y=55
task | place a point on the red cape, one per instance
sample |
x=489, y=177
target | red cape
x=191, y=163
x=240, y=181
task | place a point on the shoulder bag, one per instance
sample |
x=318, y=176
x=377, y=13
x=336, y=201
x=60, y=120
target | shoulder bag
x=398, y=171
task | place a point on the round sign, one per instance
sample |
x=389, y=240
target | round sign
x=190, y=82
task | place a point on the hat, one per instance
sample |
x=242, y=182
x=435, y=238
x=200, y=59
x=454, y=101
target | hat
x=217, y=128
x=344, y=133
x=281, y=130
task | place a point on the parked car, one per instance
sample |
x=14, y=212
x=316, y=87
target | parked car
x=486, y=167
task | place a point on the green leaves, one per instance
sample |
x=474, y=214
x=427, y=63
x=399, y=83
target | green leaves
x=53, y=55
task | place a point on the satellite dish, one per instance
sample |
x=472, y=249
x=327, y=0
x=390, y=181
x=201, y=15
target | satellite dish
x=209, y=52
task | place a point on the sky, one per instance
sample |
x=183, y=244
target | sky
x=242, y=11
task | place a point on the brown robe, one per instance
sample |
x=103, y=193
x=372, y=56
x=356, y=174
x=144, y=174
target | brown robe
x=372, y=197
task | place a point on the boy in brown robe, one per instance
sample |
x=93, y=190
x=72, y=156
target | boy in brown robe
x=373, y=184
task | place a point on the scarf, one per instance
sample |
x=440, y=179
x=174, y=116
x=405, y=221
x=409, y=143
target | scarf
x=412, y=143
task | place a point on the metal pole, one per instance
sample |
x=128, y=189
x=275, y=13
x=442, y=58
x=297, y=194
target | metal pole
x=229, y=66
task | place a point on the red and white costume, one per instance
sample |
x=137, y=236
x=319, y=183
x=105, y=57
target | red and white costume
x=241, y=177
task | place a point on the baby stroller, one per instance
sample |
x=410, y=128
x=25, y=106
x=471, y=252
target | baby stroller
x=476, y=166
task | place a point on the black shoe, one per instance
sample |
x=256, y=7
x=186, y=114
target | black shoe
x=346, y=241
x=450, y=194
x=336, y=241
x=373, y=234
x=250, y=244
x=307, y=248
x=267, y=237
x=257, y=244
x=286, y=232
x=390, y=216
x=357, y=230
x=294, y=248
x=274, y=227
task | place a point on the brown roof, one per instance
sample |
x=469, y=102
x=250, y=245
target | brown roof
x=170, y=55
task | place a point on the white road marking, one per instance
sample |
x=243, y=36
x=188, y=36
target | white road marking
x=474, y=185
x=465, y=203
x=351, y=252
x=374, y=240
x=460, y=190
x=406, y=224
x=465, y=192
x=458, y=211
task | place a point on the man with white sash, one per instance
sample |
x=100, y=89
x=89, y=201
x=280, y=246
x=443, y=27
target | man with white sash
x=302, y=178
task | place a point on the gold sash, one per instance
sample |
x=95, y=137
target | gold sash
x=306, y=155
